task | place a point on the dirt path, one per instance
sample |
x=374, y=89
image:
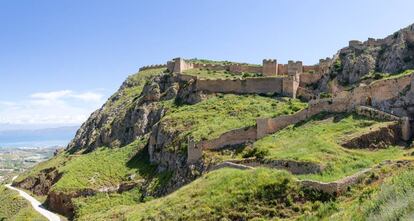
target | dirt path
x=35, y=204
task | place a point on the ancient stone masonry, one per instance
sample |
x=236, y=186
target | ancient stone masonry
x=295, y=167
x=336, y=187
x=347, y=101
x=270, y=67
x=287, y=85
x=242, y=86
x=404, y=122
x=156, y=66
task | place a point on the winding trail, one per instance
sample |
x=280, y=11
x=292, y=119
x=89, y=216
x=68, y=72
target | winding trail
x=35, y=204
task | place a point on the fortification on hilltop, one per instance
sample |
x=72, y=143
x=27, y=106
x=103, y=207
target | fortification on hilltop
x=284, y=79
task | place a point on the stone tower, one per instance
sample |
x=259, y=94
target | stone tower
x=269, y=67
x=291, y=82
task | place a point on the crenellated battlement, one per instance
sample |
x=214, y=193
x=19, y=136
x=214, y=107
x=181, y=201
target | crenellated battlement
x=155, y=66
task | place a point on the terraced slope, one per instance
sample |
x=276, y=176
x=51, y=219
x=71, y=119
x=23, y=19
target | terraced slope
x=319, y=141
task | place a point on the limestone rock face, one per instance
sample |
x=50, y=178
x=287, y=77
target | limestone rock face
x=392, y=54
x=355, y=68
x=124, y=118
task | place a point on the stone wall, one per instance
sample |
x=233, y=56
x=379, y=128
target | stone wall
x=156, y=66
x=295, y=167
x=241, y=86
x=267, y=126
x=294, y=67
x=290, y=85
x=239, y=68
x=377, y=93
x=194, y=152
x=336, y=187
x=233, y=137
x=270, y=67
x=375, y=114
x=404, y=122
x=180, y=65
x=309, y=78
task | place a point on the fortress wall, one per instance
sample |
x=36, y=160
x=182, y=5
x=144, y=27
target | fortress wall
x=282, y=69
x=377, y=92
x=404, y=122
x=212, y=67
x=237, y=68
x=336, y=187
x=267, y=126
x=295, y=167
x=290, y=85
x=241, y=86
x=311, y=68
x=233, y=137
x=156, y=66
x=376, y=114
x=307, y=78
x=270, y=67
x=186, y=77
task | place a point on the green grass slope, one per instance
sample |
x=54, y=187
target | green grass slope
x=211, y=118
x=318, y=141
x=15, y=208
x=225, y=194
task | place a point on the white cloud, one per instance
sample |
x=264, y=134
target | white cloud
x=55, y=107
x=53, y=95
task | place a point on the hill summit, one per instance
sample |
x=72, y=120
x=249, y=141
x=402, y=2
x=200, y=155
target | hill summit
x=197, y=139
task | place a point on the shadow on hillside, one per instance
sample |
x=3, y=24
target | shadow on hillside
x=140, y=161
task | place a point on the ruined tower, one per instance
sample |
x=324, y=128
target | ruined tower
x=269, y=67
x=291, y=82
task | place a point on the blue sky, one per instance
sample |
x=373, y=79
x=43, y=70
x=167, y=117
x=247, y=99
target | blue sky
x=60, y=60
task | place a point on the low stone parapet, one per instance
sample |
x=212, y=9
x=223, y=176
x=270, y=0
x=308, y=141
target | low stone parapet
x=295, y=167
x=336, y=187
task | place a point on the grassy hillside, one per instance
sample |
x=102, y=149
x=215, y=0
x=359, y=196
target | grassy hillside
x=105, y=167
x=212, y=117
x=226, y=194
x=13, y=207
x=318, y=140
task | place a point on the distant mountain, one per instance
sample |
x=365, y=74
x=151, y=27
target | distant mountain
x=37, y=137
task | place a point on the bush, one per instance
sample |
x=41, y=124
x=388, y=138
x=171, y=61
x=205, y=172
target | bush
x=259, y=153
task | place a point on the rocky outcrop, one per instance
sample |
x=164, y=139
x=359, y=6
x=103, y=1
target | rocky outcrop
x=393, y=54
x=40, y=184
x=124, y=118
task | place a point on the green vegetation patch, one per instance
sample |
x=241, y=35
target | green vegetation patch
x=105, y=201
x=226, y=194
x=385, y=76
x=105, y=167
x=54, y=162
x=385, y=194
x=394, y=200
x=211, y=118
x=318, y=141
x=13, y=207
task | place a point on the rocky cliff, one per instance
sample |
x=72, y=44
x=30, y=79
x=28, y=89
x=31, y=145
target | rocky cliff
x=392, y=54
